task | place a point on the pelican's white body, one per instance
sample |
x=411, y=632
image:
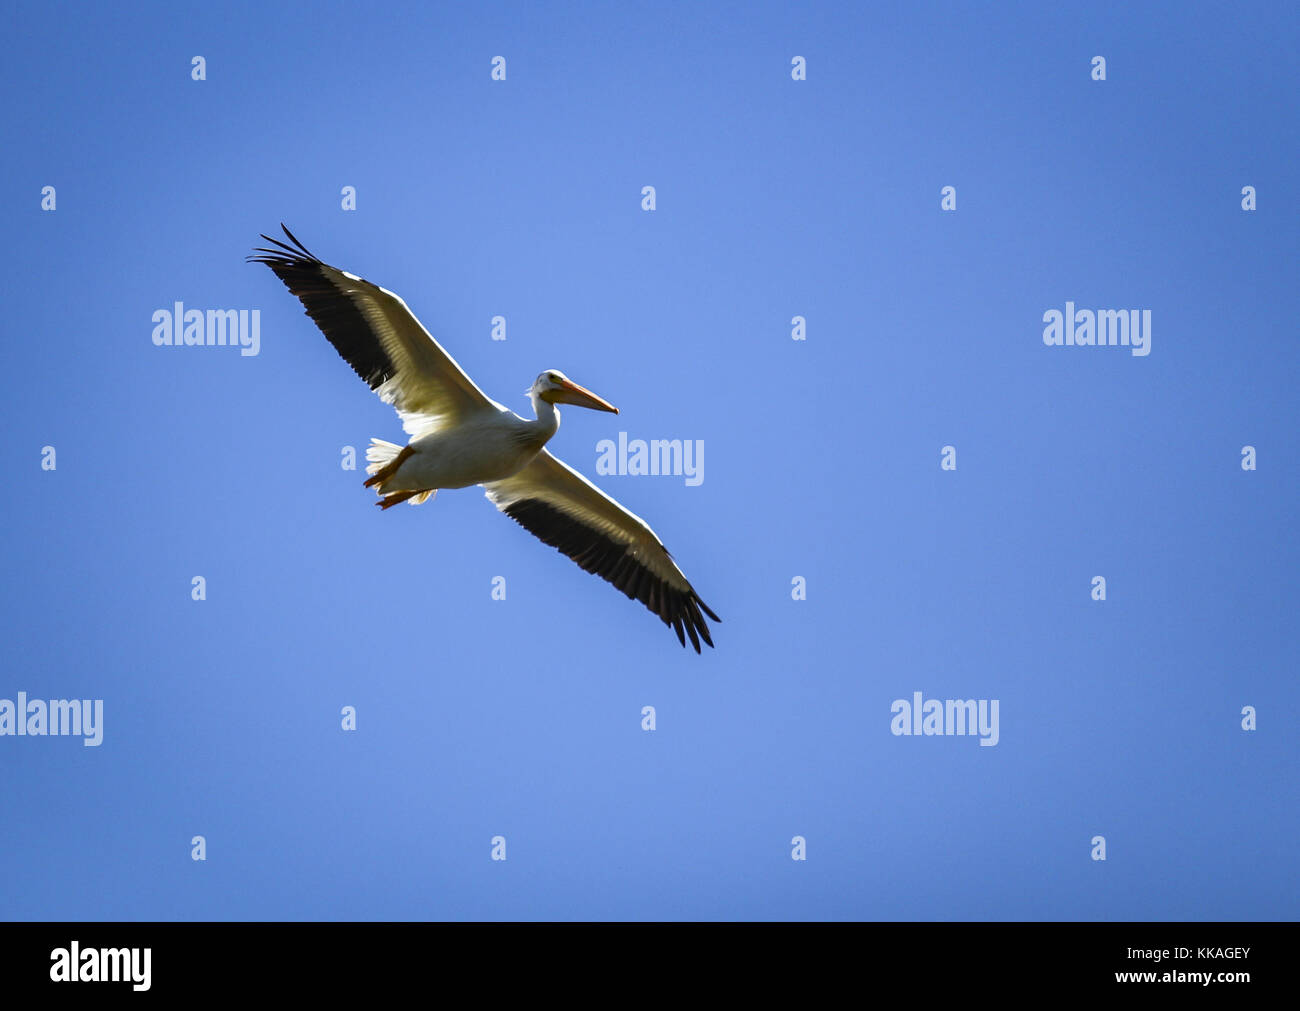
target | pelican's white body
x=489, y=445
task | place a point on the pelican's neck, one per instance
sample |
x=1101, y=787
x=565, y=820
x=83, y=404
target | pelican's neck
x=548, y=418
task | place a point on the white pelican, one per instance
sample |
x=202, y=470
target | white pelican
x=461, y=437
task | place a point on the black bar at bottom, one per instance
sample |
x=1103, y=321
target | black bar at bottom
x=81, y=960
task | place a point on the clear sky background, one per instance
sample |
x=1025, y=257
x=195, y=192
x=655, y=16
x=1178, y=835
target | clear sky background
x=775, y=198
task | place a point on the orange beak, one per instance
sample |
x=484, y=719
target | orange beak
x=580, y=396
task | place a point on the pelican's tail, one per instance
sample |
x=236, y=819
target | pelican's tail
x=385, y=458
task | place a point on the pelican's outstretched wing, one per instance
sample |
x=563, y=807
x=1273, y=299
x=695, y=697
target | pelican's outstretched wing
x=564, y=509
x=375, y=333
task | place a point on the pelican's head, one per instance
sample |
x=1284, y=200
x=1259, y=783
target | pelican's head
x=555, y=387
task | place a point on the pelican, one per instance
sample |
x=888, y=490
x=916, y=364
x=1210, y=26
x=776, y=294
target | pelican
x=460, y=437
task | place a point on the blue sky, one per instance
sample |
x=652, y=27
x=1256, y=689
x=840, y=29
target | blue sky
x=774, y=198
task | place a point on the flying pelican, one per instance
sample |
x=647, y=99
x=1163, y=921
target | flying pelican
x=461, y=437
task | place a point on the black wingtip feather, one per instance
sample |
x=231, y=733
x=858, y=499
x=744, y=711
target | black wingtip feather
x=294, y=239
x=284, y=252
x=690, y=628
x=681, y=635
